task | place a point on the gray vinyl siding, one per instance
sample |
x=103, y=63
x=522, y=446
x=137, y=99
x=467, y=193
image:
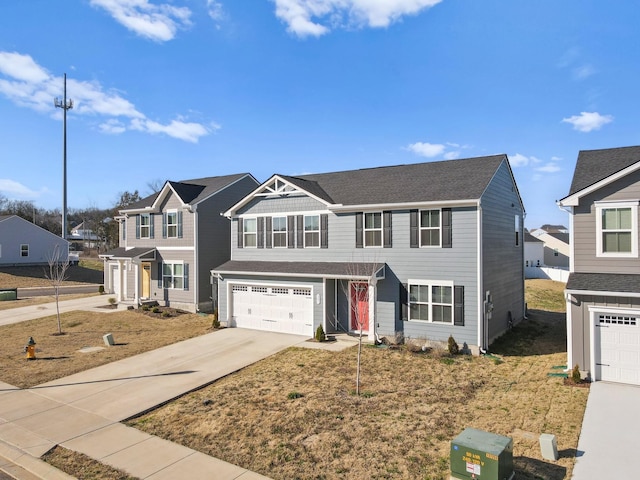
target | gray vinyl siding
x=580, y=326
x=292, y=203
x=214, y=231
x=316, y=285
x=457, y=264
x=16, y=231
x=173, y=297
x=503, y=261
x=585, y=228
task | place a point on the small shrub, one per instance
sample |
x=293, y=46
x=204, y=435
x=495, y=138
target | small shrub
x=575, y=374
x=447, y=360
x=156, y=310
x=294, y=395
x=112, y=300
x=452, y=346
x=215, y=323
x=320, y=337
x=101, y=289
x=166, y=314
x=145, y=308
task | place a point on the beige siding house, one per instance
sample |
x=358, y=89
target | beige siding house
x=170, y=241
x=603, y=291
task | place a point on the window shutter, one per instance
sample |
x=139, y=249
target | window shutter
x=404, y=302
x=240, y=231
x=269, y=230
x=324, y=231
x=164, y=224
x=458, y=305
x=260, y=230
x=386, y=223
x=185, y=279
x=300, y=231
x=151, y=225
x=124, y=229
x=291, y=231
x=446, y=228
x=413, y=229
x=359, y=229
x=180, y=224
x=159, y=274
x=137, y=226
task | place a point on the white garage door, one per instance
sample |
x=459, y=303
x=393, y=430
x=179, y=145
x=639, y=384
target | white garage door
x=617, y=345
x=277, y=309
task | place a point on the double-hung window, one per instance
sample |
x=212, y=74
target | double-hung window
x=173, y=275
x=617, y=229
x=145, y=225
x=250, y=232
x=279, y=225
x=24, y=250
x=431, y=301
x=311, y=231
x=430, y=228
x=172, y=224
x=373, y=229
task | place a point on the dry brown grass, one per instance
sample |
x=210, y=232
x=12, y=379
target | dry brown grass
x=30, y=301
x=59, y=356
x=294, y=415
x=83, y=467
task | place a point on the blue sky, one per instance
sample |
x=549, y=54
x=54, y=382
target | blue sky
x=179, y=89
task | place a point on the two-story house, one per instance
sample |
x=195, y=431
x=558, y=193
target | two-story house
x=425, y=251
x=24, y=243
x=169, y=241
x=603, y=291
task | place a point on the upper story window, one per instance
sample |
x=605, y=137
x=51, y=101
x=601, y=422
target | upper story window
x=517, y=229
x=312, y=230
x=145, y=226
x=373, y=229
x=617, y=229
x=250, y=232
x=24, y=250
x=430, y=228
x=172, y=224
x=279, y=225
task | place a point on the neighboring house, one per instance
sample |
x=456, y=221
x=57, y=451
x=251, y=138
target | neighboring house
x=556, y=245
x=85, y=236
x=533, y=252
x=24, y=243
x=423, y=251
x=603, y=291
x=170, y=241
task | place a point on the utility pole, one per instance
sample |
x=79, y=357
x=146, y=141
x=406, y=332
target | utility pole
x=64, y=105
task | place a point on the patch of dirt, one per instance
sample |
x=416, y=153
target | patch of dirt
x=81, y=466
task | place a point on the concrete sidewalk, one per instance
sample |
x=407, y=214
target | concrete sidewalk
x=82, y=412
x=607, y=447
x=31, y=312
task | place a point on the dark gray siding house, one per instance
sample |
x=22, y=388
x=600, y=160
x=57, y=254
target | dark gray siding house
x=169, y=242
x=424, y=251
x=603, y=291
x=24, y=243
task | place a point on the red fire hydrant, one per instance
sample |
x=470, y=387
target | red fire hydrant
x=30, y=349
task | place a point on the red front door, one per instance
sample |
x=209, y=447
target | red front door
x=359, y=306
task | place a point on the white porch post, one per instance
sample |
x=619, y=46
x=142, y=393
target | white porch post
x=121, y=283
x=136, y=282
x=373, y=300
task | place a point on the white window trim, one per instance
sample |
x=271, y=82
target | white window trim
x=421, y=228
x=172, y=262
x=634, y=229
x=430, y=284
x=279, y=232
x=304, y=231
x=365, y=229
x=169, y=212
x=148, y=225
x=245, y=233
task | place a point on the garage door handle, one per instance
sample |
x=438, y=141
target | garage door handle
x=603, y=364
x=290, y=315
x=602, y=326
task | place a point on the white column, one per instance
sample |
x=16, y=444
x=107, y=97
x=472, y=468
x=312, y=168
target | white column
x=121, y=283
x=136, y=282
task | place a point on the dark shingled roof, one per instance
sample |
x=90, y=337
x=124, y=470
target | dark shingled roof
x=530, y=238
x=604, y=282
x=136, y=252
x=464, y=179
x=191, y=191
x=596, y=165
x=563, y=237
x=311, y=269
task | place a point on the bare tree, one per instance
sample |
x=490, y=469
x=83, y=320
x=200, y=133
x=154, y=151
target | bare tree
x=357, y=293
x=155, y=186
x=57, y=274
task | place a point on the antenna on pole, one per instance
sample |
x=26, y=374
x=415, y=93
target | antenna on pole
x=64, y=105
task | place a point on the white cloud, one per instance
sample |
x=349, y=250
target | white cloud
x=155, y=22
x=549, y=168
x=215, y=9
x=15, y=190
x=588, y=121
x=29, y=85
x=556, y=159
x=310, y=17
x=426, y=149
x=451, y=155
x=519, y=160
x=582, y=72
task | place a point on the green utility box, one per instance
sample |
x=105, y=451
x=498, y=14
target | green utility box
x=8, y=294
x=481, y=455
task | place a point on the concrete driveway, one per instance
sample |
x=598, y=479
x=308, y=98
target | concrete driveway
x=609, y=438
x=82, y=412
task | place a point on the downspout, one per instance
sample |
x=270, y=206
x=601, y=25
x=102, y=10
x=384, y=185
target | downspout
x=196, y=259
x=480, y=292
